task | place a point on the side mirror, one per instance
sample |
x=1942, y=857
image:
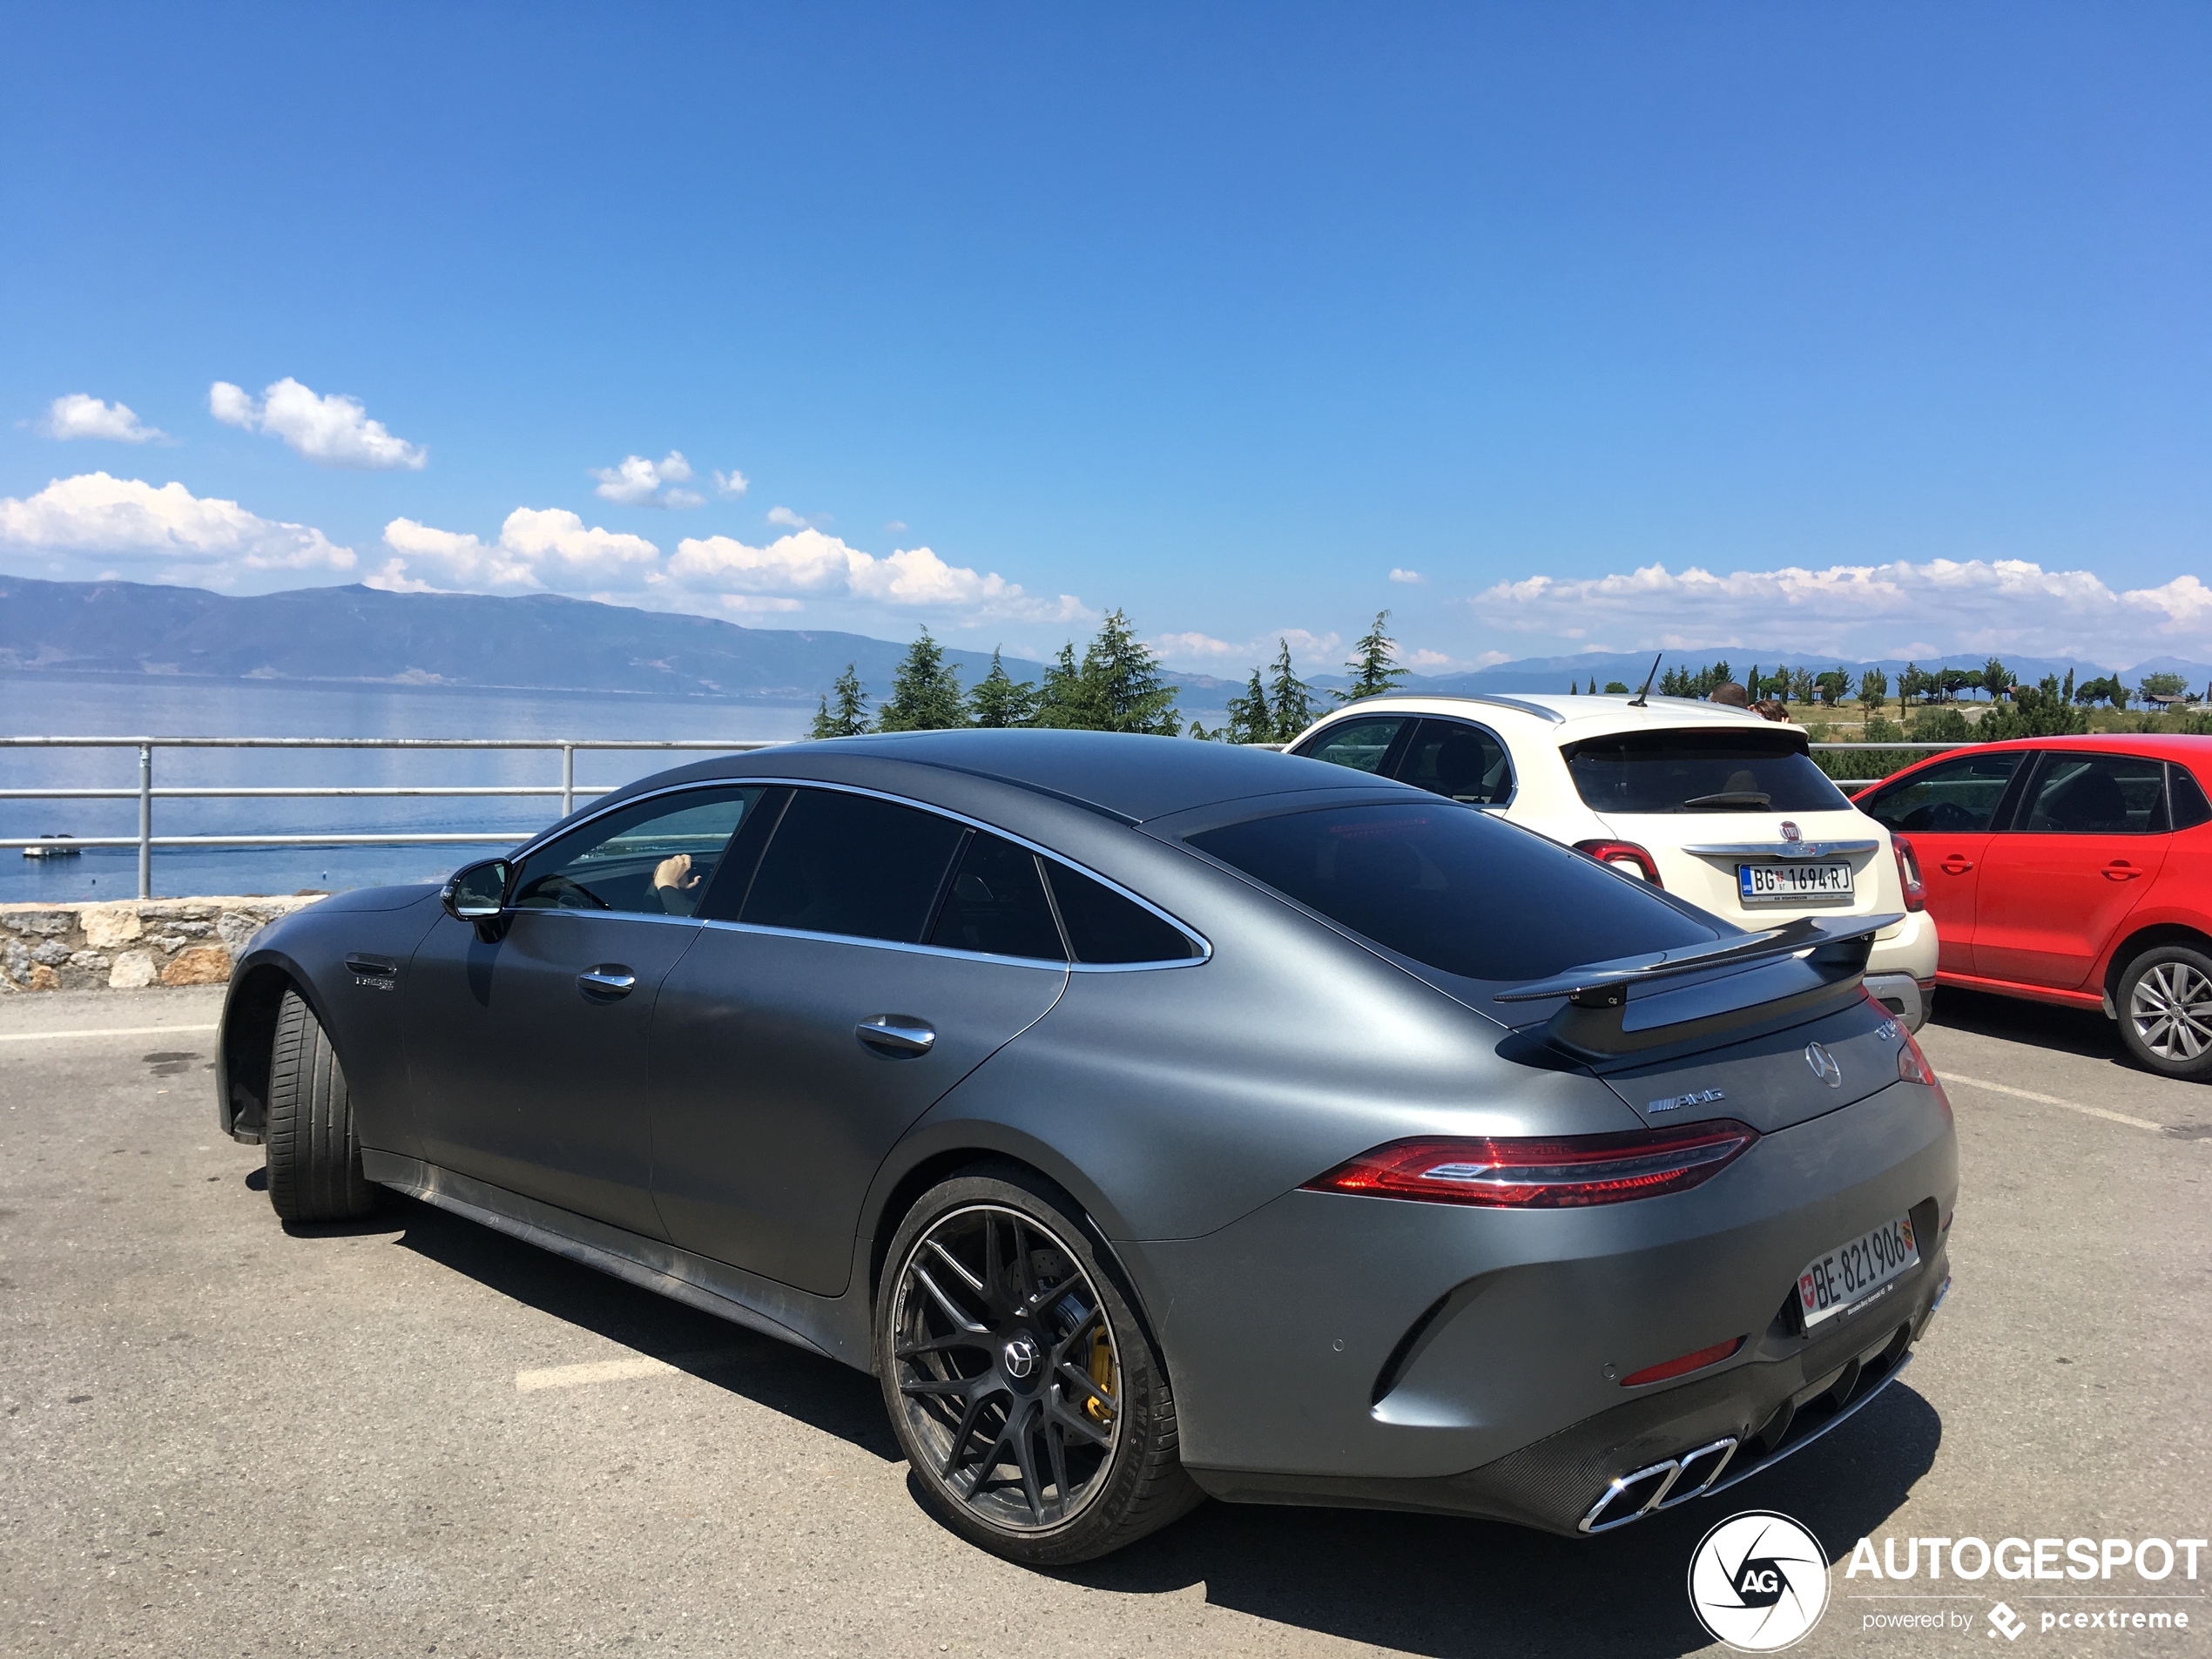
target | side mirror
x=477, y=894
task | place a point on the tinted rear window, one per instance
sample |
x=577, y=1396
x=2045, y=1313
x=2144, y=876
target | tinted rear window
x=1454, y=888
x=1103, y=927
x=1700, y=771
x=854, y=864
x=997, y=905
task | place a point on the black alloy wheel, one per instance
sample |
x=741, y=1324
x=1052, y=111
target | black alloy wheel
x=2164, y=999
x=1024, y=1391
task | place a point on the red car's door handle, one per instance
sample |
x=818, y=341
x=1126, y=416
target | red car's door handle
x=1955, y=864
x=2121, y=870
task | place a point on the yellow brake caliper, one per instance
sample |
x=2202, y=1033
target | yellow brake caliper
x=1102, y=1373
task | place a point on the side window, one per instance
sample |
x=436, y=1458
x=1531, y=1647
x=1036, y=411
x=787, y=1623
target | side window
x=1361, y=745
x=2079, y=794
x=2187, y=797
x=997, y=906
x=852, y=865
x=1461, y=762
x=1952, y=797
x=1103, y=927
x=654, y=859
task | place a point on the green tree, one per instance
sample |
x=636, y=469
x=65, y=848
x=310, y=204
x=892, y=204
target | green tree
x=1952, y=681
x=1996, y=680
x=1873, y=689
x=1613, y=688
x=2047, y=711
x=2164, y=684
x=1374, y=669
x=850, y=717
x=1940, y=726
x=1291, y=702
x=1000, y=700
x=1117, y=687
x=924, y=691
x=1250, y=719
x=1800, y=684
x=1833, y=686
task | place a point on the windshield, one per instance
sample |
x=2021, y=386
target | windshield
x=1700, y=771
x=1455, y=889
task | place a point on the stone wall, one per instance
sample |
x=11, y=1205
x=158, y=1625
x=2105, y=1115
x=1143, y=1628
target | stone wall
x=125, y=945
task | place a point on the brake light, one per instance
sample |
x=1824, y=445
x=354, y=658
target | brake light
x=1684, y=1366
x=1625, y=856
x=1528, y=1174
x=1912, y=1065
x=1908, y=873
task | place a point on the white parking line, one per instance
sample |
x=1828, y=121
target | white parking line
x=2053, y=1100
x=599, y=1371
x=106, y=1031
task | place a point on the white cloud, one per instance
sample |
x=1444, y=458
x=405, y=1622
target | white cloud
x=1410, y=578
x=334, y=431
x=639, y=483
x=785, y=516
x=731, y=485
x=811, y=563
x=80, y=416
x=895, y=525
x=1311, y=653
x=1901, y=609
x=211, y=541
x=537, y=550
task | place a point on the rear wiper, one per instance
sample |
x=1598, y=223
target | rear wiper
x=1750, y=798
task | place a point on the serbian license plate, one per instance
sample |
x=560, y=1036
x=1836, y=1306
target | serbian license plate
x=1779, y=883
x=1845, y=1277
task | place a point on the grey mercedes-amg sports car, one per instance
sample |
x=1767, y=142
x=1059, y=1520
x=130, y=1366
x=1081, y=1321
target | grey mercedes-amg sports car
x=1155, y=1118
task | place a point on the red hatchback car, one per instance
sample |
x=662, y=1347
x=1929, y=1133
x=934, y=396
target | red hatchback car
x=2072, y=870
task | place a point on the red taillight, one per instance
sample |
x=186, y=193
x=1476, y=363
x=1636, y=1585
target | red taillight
x=1912, y=1066
x=1519, y=1174
x=1684, y=1366
x=1908, y=873
x=1625, y=856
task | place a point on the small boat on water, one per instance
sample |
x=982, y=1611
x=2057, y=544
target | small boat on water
x=55, y=850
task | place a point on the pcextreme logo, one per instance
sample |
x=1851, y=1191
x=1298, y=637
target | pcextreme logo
x=1759, y=1582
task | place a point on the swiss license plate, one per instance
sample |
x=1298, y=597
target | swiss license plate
x=1849, y=1274
x=1778, y=883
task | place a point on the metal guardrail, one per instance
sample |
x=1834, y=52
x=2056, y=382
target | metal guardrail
x=145, y=794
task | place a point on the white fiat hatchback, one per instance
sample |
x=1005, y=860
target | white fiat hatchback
x=1713, y=804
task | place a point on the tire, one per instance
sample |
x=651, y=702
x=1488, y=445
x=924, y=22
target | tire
x=2164, y=1001
x=1028, y=1396
x=311, y=1151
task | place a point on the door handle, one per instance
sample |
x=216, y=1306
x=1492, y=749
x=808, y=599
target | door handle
x=2121, y=870
x=606, y=982
x=1953, y=863
x=898, y=1034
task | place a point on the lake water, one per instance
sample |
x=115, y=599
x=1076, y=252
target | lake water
x=46, y=706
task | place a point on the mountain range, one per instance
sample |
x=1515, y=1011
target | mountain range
x=543, y=642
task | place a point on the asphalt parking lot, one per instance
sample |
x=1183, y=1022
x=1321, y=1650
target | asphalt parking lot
x=416, y=1436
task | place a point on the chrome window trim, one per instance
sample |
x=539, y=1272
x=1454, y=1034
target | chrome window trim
x=601, y=915
x=1779, y=849
x=1204, y=945
x=1045, y=963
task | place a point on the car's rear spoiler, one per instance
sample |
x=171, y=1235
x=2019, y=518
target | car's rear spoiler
x=1633, y=1003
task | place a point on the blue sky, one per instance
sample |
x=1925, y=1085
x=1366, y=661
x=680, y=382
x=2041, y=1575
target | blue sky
x=1871, y=329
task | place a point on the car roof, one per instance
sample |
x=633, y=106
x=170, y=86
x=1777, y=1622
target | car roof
x=2157, y=746
x=1130, y=777
x=1566, y=717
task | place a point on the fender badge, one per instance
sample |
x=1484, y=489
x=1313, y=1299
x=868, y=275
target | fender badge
x=1676, y=1103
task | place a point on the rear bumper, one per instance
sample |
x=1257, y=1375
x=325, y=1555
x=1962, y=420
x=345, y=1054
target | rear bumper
x=1338, y=1349
x=1648, y=1455
x=1904, y=996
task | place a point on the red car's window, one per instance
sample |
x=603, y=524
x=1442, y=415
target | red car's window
x=2187, y=799
x=1952, y=797
x=2079, y=794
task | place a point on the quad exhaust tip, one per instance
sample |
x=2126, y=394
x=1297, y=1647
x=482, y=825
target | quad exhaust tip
x=1661, y=1486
